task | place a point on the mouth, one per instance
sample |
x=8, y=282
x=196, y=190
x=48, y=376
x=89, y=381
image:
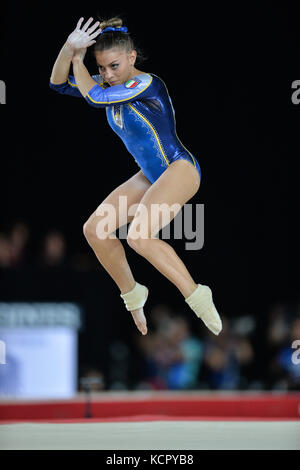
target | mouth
x=113, y=83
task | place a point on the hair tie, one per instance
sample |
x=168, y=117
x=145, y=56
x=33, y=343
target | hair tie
x=122, y=29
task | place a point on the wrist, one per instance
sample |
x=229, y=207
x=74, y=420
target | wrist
x=77, y=61
x=67, y=51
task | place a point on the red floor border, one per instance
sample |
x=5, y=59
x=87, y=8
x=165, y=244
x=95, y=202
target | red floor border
x=262, y=406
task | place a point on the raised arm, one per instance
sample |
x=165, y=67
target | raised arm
x=75, y=47
x=83, y=84
x=62, y=65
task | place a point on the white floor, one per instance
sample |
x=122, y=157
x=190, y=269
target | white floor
x=162, y=435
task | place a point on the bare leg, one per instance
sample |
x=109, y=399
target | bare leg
x=165, y=259
x=111, y=255
x=110, y=251
x=185, y=183
x=174, y=187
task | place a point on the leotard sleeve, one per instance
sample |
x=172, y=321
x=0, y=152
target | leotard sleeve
x=70, y=88
x=134, y=89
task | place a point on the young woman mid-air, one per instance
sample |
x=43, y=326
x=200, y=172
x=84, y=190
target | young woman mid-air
x=140, y=111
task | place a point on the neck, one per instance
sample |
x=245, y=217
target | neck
x=134, y=73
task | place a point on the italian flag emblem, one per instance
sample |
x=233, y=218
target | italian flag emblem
x=131, y=83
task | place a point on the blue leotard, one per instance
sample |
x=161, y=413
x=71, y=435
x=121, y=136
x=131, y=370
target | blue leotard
x=140, y=111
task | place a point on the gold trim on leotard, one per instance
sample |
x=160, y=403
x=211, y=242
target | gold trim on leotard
x=153, y=130
x=175, y=125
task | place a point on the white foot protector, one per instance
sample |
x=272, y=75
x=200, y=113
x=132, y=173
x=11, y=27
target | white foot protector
x=201, y=303
x=136, y=298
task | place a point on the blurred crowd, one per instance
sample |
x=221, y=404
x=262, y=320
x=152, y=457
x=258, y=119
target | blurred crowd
x=174, y=356
x=20, y=247
x=13, y=244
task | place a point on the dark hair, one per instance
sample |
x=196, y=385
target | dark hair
x=111, y=39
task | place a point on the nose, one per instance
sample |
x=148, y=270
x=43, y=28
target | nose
x=108, y=76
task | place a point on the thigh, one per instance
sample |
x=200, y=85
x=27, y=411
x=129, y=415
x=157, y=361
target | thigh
x=166, y=196
x=122, y=202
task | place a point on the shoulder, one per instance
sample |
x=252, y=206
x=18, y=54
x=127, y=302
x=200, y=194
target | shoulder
x=159, y=84
x=139, y=82
x=146, y=82
x=158, y=80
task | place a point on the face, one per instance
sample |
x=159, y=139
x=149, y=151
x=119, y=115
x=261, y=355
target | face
x=116, y=65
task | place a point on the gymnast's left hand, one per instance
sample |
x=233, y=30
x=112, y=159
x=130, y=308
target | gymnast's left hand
x=81, y=38
x=84, y=37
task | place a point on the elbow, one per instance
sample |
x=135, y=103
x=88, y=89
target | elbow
x=96, y=98
x=59, y=87
x=93, y=103
x=52, y=86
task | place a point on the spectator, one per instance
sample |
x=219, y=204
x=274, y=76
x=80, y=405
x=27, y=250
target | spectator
x=184, y=372
x=160, y=316
x=278, y=328
x=13, y=245
x=277, y=334
x=172, y=356
x=19, y=237
x=5, y=251
x=284, y=368
x=53, y=252
x=224, y=357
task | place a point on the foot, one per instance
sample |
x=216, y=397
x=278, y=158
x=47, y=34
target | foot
x=202, y=304
x=140, y=319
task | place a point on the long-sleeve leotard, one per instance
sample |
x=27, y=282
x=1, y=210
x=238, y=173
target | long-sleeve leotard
x=140, y=111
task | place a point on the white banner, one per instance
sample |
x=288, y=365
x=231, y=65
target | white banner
x=40, y=361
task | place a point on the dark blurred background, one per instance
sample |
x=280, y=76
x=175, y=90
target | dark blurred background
x=229, y=70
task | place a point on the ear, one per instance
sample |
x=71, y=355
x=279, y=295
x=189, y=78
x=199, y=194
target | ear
x=132, y=57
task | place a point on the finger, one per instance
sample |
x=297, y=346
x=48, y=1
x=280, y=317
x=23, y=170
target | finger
x=92, y=28
x=79, y=23
x=95, y=33
x=90, y=43
x=87, y=24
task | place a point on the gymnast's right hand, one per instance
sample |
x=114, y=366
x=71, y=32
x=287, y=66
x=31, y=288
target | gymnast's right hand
x=82, y=38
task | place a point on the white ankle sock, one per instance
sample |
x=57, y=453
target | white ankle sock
x=201, y=303
x=136, y=298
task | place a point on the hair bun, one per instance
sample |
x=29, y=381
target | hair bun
x=112, y=22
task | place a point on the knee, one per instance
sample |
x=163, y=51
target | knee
x=137, y=244
x=96, y=230
x=89, y=230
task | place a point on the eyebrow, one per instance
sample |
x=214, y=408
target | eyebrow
x=116, y=60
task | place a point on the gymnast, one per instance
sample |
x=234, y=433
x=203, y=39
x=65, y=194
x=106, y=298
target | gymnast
x=140, y=111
